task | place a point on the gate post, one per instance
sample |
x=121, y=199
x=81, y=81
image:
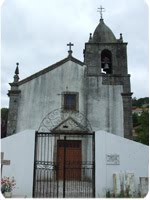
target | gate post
x=64, y=174
x=34, y=165
x=93, y=173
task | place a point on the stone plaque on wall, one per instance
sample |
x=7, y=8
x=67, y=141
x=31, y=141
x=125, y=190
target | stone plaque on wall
x=112, y=159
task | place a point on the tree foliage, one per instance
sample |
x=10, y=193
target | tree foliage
x=140, y=102
x=4, y=117
x=141, y=123
x=143, y=128
x=135, y=119
x=4, y=113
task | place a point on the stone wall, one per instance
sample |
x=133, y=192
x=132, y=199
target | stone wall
x=19, y=149
x=125, y=157
x=118, y=160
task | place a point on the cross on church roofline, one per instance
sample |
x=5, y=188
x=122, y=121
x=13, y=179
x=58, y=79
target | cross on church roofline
x=101, y=10
x=70, y=51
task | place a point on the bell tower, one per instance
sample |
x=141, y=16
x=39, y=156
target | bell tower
x=104, y=54
x=106, y=61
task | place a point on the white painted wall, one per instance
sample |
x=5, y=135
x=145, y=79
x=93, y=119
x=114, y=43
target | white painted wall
x=101, y=104
x=42, y=95
x=134, y=157
x=19, y=149
x=105, y=106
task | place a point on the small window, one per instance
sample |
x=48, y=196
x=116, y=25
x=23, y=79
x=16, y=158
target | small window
x=70, y=102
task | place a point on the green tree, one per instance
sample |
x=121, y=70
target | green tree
x=4, y=113
x=134, y=101
x=4, y=117
x=135, y=119
x=140, y=102
x=143, y=130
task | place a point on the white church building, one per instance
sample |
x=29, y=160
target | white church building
x=69, y=128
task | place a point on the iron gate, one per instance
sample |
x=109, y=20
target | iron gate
x=64, y=165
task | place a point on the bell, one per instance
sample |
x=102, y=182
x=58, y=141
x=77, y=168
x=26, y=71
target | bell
x=106, y=66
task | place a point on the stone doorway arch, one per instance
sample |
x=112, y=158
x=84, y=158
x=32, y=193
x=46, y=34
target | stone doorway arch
x=65, y=121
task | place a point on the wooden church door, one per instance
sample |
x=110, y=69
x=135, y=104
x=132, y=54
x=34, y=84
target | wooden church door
x=69, y=159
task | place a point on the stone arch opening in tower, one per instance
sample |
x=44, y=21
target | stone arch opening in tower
x=106, y=61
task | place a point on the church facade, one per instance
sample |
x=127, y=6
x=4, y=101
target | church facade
x=72, y=95
x=73, y=121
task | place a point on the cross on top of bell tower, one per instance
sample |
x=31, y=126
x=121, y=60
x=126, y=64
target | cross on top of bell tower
x=101, y=10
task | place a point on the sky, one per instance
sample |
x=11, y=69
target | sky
x=35, y=33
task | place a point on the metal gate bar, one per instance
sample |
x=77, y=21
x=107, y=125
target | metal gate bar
x=64, y=175
x=46, y=180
